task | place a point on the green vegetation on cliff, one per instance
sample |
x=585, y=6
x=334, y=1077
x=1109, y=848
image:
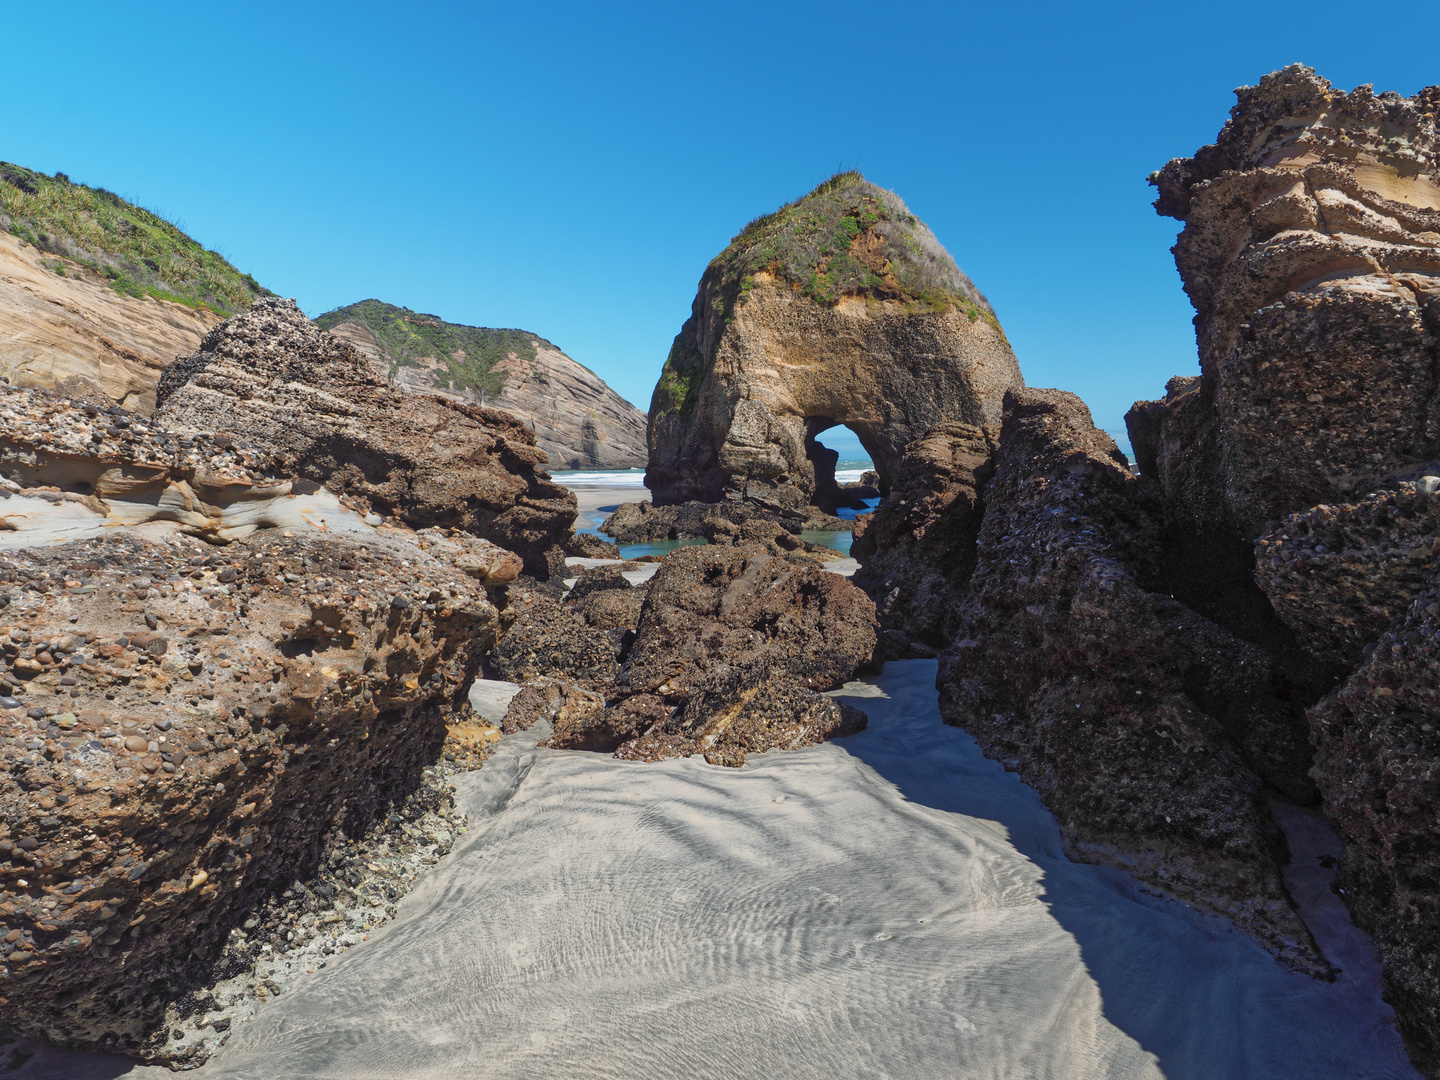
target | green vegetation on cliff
x=848, y=237
x=138, y=252
x=470, y=353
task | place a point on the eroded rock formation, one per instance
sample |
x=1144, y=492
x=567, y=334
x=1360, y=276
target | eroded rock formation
x=841, y=308
x=725, y=651
x=184, y=726
x=1149, y=730
x=1311, y=251
x=271, y=377
x=918, y=552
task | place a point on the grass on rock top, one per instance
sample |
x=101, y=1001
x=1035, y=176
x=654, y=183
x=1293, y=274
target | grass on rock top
x=136, y=251
x=850, y=237
x=469, y=352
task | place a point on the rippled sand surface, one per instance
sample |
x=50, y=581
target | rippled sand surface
x=891, y=905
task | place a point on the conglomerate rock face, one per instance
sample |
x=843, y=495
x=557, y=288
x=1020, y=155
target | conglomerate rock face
x=1358, y=583
x=727, y=652
x=1144, y=726
x=1378, y=762
x=271, y=377
x=918, y=550
x=1311, y=251
x=183, y=726
x=841, y=308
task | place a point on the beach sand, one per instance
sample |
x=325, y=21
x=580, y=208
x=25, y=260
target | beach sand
x=889, y=905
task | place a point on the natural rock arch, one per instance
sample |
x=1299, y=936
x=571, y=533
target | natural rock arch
x=839, y=309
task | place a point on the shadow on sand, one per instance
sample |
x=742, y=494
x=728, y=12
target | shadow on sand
x=1187, y=986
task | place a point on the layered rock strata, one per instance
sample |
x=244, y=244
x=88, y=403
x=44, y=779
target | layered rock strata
x=76, y=334
x=270, y=377
x=839, y=309
x=1311, y=251
x=183, y=727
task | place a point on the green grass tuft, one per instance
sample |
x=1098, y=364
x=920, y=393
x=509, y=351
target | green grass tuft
x=811, y=243
x=138, y=252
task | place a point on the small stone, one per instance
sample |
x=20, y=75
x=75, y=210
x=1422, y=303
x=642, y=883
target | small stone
x=399, y=603
x=151, y=621
x=135, y=744
x=9, y=702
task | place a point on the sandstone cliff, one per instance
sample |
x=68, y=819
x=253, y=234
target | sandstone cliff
x=76, y=334
x=272, y=378
x=841, y=308
x=98, y=295
x=576, y=418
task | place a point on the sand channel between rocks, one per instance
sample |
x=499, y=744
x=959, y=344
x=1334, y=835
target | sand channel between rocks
x=893, y=904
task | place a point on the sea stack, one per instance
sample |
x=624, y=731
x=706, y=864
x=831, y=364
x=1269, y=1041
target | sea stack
x=839, y=308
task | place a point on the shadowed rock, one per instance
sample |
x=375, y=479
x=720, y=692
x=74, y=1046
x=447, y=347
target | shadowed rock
x=1311, y=251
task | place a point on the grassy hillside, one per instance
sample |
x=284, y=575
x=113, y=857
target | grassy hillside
x=138, y=252
x=469, y=352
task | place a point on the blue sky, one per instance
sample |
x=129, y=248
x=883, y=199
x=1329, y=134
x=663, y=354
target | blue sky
x=570, y=168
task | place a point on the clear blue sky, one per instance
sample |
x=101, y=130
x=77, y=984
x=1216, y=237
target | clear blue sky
x=570, y=168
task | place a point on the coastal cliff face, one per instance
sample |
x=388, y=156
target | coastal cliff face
x=1311, y=251
x=99, y=294
x=841, y=308
x=271, y=377
x=575, y=417
x=77, y=335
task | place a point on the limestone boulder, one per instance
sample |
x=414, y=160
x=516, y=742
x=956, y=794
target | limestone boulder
x=839, y=309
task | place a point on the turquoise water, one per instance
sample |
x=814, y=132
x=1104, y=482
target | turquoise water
x=838, y=541
x=654, y=547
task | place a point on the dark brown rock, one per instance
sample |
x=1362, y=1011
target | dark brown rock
x=732, y=605
x=272, y=378
x=1135, y=718
x=178, y=786
x=545, y=639
x=917, y=551
x=746, y=707
x=1311, y=251
x=1377, y=762
x=1341, y=575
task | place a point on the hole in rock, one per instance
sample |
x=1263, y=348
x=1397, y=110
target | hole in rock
x=850, y=446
